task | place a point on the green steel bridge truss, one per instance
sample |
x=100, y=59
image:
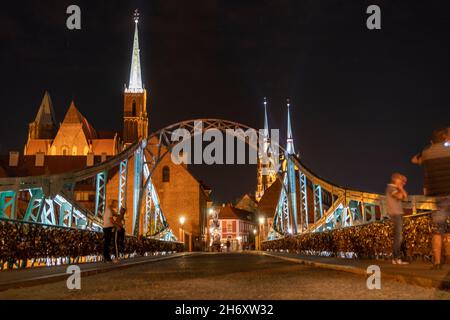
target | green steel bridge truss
x=307, y=203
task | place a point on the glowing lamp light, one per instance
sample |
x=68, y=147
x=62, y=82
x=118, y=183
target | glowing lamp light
x=182, y=220
x=254, y=231
x=447, y=143
x=261, y=220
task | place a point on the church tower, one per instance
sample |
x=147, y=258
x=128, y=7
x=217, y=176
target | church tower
x=135, y=120
x=44, y=125
x=265, y=173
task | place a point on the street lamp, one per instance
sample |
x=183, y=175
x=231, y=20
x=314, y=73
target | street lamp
x=182, y=221
x=261, y=225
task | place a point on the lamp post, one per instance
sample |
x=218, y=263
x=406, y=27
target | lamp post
x=261, y=225
x=182, y=221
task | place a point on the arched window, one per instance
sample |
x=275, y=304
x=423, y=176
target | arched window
x=64, y=150
x=166, y=174
x=133, y=108
x=74, y=150
x=53, y=150
x=86, y=150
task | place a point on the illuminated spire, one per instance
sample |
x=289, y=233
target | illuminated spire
x=266, y=122
x=266, y=137
x=290, y=140
x=135, y=84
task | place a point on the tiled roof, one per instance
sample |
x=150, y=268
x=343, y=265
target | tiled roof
x=230, y=212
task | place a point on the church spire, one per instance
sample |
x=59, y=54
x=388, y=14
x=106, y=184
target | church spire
x=266, y=122
x=266, y=127
x=135, y=84
x=290, y=139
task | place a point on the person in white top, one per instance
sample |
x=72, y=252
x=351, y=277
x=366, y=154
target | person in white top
x=108, y=226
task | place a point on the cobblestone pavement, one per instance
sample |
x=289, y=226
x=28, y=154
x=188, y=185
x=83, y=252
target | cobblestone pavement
x=224, y=276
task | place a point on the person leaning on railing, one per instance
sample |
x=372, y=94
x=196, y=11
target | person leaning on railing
x=395, y=194
x=440, y=231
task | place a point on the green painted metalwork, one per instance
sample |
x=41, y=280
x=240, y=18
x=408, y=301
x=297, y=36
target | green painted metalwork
x=7, y=204
x=34, y=206
x=138, y=167
x=318, y=207
x=100, y=194
x=123, y=173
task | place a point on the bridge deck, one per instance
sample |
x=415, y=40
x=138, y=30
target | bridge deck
x=232, y=276
x=419, y=273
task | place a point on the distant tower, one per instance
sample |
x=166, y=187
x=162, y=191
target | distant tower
x=290, y=140
x=135, y=120
x=44, y=125
x=265, y=173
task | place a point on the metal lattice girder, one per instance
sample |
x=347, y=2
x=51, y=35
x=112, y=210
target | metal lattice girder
x=65, y=211
x=148, y=208
x=318, y=207
x=100, y=193
x=34, y=206
x=303, y=200
x=369, y=209
x=137, y=187
x=48, y=212
x=291, y=184
x=356, y=212
x=7, y=204
x=278, y=223
x=123, y=173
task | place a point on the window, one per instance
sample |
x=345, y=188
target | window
x=229, y=226
x=133, y=108
x=64, y=151
x=53, y=151
x=166, y=174
x=74, y=150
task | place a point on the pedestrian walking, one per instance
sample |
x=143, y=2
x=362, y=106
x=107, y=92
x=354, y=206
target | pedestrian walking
x=228, y=245
x=119, y=233
x=108, y=226
x=441, y=236
x=395, y=194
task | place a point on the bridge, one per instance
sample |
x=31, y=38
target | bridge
x=306, y=204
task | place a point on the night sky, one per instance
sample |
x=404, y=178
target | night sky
x=364, y=102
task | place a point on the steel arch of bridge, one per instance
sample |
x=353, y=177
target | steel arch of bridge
x=164, y=144
x=51, y=197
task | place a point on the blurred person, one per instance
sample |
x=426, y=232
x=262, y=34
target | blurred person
x=119, y=232
x=440, y=231
x=108, y=226
x=395, y=194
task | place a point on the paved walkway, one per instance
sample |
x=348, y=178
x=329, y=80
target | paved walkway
x=418, y=273
x=17, y=278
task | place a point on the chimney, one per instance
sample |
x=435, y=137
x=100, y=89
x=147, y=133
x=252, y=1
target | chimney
x=13, y=158
x=39, y=161
x=90, y=159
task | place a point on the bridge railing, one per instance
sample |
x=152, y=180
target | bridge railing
x=370, y=240
x=25, y=244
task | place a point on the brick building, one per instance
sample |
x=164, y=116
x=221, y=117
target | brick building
x=237, y=226
x=75, y=144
